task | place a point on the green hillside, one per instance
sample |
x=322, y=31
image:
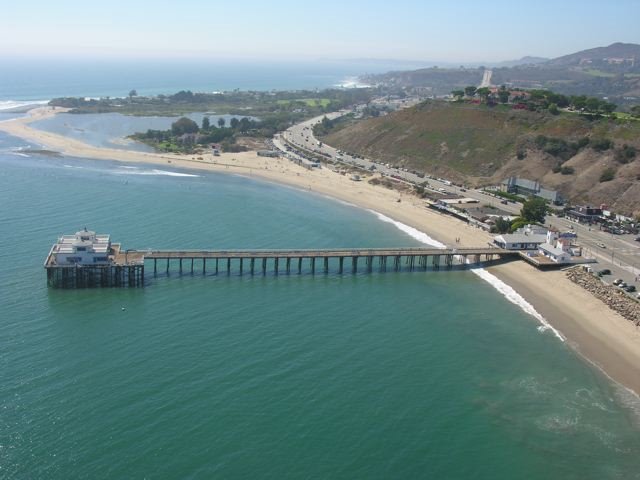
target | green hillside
x=482, y=145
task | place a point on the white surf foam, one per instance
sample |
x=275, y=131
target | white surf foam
x=514, y=297
x=15, y=104
x=412, y=232
x=352, y=82
x=155, y=171
x=505, y=290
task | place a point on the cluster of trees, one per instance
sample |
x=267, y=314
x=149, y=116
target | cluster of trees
x=484, y=94
x=185, y=134
x=540, y=100
x=533, y=211
x=327, y=125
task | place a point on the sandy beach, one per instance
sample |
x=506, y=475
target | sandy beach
x=602, y=336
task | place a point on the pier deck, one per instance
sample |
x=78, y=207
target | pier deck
x=126, y=267
x=261, y=261
x=315, y=253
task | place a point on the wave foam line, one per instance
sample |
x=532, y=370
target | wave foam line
x=514, y=297
x=412, y=232
x=155, y=172
x=11, y=104
x=505, y=290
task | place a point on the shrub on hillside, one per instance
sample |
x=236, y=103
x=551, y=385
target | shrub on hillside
x=608, y=175
x=626, y=154
x=601, y=144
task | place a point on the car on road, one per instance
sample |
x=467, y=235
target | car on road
x=601, y=245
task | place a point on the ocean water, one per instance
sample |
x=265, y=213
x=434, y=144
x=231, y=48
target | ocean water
x=24, y=80
x=397, y=375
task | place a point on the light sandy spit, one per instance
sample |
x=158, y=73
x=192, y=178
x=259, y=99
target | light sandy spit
x=590, y=327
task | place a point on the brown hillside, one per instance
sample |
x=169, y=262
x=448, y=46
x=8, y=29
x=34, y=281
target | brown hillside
x=479, y=145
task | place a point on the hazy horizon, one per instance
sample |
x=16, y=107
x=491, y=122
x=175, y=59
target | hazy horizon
x=405, y=31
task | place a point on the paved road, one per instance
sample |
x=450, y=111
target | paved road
x=486, y=78
x=301, y=135
x=621, y=254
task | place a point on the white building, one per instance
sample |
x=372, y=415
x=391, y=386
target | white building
x=529, y=237
x=560, y=247
x=83, y=248
x=556, y=254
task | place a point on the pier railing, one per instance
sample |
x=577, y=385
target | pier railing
x=127, y=267
x=286, y=261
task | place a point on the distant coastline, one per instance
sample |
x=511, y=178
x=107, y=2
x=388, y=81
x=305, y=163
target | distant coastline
x=603, y=337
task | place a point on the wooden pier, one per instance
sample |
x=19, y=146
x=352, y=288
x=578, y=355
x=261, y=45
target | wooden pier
x=119, y=272
x=324, y=261
x=127, y=268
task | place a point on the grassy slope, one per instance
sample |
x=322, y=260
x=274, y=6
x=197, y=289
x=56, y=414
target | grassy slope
x=478, y=145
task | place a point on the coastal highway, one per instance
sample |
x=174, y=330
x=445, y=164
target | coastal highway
x=301, y=135
x=621, y=253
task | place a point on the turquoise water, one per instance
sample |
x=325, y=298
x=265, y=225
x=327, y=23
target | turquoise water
x=398, y=375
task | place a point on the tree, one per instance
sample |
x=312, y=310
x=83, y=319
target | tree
x=206, y=123
x=457, y=94
x=503, y=94
x=184, y=125
x=234, y=123
x=502, y=225
x=132, y=93
x=221, y=122
x=470, y=91
x=553, y=109
x=483, y=93
x=592, y=104
x=245, y=124
x=608, y=108
x=534, y=210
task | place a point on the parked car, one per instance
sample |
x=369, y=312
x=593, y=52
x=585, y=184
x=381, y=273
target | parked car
x=617, y=281
x=604, y=271
x=601, y=245
x=630, y=288
x=622, y=285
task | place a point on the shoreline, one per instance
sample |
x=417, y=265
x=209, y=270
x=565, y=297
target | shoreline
x=605, y=339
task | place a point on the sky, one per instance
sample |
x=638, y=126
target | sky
x=446, y=31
